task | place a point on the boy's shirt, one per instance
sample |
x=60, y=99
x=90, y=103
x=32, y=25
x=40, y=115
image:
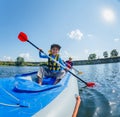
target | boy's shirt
x=69, y=64
x=59, y=60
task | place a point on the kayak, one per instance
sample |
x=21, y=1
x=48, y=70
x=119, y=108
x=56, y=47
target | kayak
x=21, y=96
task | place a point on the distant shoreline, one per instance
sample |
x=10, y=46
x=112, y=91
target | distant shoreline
x=77, y=62
x=97, y=61
x=13, y=63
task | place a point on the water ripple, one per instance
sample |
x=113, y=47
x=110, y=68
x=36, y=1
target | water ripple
x=104, y=99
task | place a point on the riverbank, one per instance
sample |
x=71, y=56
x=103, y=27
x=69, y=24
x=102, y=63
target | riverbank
x=97, y=61
x=78, y=62
x=12, y=63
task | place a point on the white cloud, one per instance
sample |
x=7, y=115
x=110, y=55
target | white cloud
x=7, y=58
x=75, y=34
x=117, y=39
x=26, y=56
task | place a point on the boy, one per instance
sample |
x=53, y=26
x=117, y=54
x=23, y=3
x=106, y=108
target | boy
x=69, y=63
x=53, y=69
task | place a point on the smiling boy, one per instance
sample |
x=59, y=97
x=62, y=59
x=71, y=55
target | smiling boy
x=53, y=69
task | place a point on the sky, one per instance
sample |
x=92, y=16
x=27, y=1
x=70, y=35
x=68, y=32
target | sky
x=81, y=27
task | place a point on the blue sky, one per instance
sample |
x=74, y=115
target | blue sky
x=81, y=27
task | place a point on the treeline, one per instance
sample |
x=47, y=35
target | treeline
x=113, y=53
x=20, y=62
x=97, y=61
x=111, y=57
x=9, y=63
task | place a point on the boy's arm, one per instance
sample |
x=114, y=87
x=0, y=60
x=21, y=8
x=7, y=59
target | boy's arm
x=42, y=55
x=68, y=65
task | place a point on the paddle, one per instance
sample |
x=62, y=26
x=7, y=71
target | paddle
x=23, y=37
x=79, y=72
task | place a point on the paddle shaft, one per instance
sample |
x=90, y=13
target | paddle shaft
x=77, y=77
x=73, y=68
x=33, y=44
x=57, y=62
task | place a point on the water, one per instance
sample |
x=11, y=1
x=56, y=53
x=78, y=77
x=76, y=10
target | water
x=101, y=101
x=11, y=71
x=104, y=99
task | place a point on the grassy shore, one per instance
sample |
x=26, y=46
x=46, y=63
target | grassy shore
x=78, y=62
x=12, y=63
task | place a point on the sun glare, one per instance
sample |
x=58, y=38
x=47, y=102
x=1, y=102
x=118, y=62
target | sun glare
x=108, y=15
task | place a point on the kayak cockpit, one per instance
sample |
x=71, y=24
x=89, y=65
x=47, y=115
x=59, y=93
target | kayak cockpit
x=28, y=83
x=33, y=77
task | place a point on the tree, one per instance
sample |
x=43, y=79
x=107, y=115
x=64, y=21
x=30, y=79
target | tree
x=105, y=54
x=19, y=61
x=114, y=53
x=92, y=56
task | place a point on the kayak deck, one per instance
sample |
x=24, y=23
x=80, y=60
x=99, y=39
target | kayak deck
x=28, y=93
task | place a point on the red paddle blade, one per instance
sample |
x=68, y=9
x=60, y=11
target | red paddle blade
x=90, y=84
x=22, y=37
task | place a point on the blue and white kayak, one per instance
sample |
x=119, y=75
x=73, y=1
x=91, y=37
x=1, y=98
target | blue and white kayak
x=22, y=97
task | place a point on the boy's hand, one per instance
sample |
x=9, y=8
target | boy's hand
x=66, y=69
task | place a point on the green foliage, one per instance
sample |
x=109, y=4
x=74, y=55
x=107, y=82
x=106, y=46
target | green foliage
x=19, y=61
x=43, y=63
x=92, y=56
x=12, y=63
x=114, y=53
x=7, y=63
x=105, y=54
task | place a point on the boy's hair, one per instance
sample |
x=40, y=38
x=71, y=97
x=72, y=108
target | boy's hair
x=70, y=58
x=55, y=45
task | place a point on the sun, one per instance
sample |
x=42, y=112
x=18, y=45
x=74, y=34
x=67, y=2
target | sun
x=108, y=15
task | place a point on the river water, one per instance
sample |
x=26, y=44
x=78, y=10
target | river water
x=103, y=100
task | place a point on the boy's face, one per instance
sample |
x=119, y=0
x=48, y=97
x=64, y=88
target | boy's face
x=54, y=51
